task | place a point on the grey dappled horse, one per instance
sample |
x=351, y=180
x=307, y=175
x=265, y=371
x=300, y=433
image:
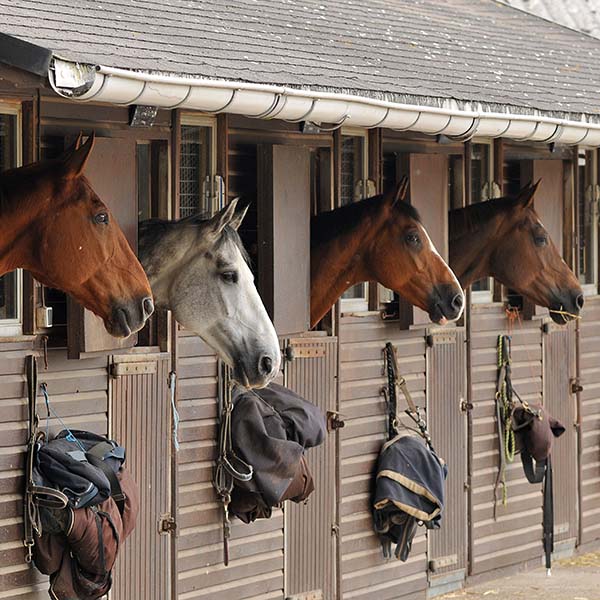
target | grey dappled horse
x=198, y=269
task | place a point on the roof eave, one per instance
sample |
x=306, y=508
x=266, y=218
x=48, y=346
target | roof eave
x=121, y=86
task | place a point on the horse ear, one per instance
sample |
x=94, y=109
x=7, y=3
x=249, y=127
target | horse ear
x=238, y=217
x=76, y=159
x=223, y=218
x=525, y=196
x=400, y=191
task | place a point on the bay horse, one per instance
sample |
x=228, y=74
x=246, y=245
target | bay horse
x=198, y=269
x=505, y=239
x=380, y=239
x=53, y=224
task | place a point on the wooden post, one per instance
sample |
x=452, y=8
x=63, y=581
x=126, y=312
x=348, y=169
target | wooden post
x=499, y=293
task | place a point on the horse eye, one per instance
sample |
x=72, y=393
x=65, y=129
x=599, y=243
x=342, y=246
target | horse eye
x=541, y=240
x=101, y=219
x=413, y=239
x=229, y=276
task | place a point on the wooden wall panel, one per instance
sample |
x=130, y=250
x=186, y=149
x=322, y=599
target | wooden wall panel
x=365, y=574
x=516, y=535
x=256, y=550
x=590, y=420
x=79, y=394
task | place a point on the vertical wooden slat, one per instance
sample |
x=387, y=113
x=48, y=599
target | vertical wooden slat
x=140, y=411
x=309, y=528
x=447, y=425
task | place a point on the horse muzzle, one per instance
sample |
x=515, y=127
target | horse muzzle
x=128, y=318
x=446, y=303
x=258, y=371
x=566, y=306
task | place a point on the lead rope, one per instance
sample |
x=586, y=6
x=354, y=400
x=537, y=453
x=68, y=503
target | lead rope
x=229, y=466
x=174, y=411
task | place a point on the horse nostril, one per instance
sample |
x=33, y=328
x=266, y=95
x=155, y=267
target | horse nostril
x=265, y=365
x=147, y=306
x=457, y=302
x=579, y=301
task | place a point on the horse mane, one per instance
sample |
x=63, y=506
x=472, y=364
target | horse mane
x=155, y=227
x=475, y=216
x=348, y=216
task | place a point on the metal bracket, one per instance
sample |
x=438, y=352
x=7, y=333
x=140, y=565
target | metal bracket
x=133, y=368
x=167, y=524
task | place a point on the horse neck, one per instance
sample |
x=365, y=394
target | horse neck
x=17, y=214
x=471, y=249
x=338, y=261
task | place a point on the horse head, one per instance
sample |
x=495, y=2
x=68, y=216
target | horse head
x=68, y=239
x=402, y=257
x=528, y=261
x=199, y=270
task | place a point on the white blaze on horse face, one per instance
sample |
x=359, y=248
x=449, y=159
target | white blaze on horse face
x=433, y=249
x=227, y=312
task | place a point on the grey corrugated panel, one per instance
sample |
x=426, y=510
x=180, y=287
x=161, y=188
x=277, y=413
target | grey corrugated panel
x=559, y=370
x=140, y=404
x=446, y=387
x=256, y=565
x=590, y=418
x=514, y=536
x=78, y=390
x=365, y=573
x=309, y=528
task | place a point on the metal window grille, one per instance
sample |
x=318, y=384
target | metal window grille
x=194, y=170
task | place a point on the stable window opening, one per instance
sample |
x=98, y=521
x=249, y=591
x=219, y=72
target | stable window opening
x=588, y=194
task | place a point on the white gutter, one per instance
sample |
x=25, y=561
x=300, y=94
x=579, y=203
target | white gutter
x=121, y=86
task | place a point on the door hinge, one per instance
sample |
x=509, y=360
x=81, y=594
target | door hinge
x=167, y=524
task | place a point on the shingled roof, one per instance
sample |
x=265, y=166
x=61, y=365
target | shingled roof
x=411, y=51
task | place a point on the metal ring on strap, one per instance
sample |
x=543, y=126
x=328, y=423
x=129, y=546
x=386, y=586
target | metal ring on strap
x=335, y=127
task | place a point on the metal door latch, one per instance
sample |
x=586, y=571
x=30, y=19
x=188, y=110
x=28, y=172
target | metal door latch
x=333, y=421
x=167, y=525
x=576, y=386
x=465, y=406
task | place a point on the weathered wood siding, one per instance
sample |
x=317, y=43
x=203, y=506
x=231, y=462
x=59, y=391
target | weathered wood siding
x=256, y=551
x=364, y=571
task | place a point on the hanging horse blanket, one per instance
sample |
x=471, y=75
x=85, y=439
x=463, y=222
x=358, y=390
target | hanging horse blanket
x=271, y=429
x=78, y=544
x=409, y=491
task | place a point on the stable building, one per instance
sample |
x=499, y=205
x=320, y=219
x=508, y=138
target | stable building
x=298, y=108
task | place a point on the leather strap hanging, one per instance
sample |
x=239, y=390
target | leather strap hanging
x=229, y=466
x=395, y=380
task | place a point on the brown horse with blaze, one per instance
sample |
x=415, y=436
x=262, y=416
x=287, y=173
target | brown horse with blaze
x=380, y=239
x=505, y=239
x=53, y=224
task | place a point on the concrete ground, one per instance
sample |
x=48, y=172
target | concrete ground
x=576, y=578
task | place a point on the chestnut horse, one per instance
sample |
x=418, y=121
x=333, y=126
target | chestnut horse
x=54, y=225
x=505, y=239
x=380, y=239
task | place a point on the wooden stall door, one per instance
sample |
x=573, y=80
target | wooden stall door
x=447, y=422
x=140, y=420
x=284, y=235
x=429, y=195
x=560, y=402
x=310, y=528
x=111, y=172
